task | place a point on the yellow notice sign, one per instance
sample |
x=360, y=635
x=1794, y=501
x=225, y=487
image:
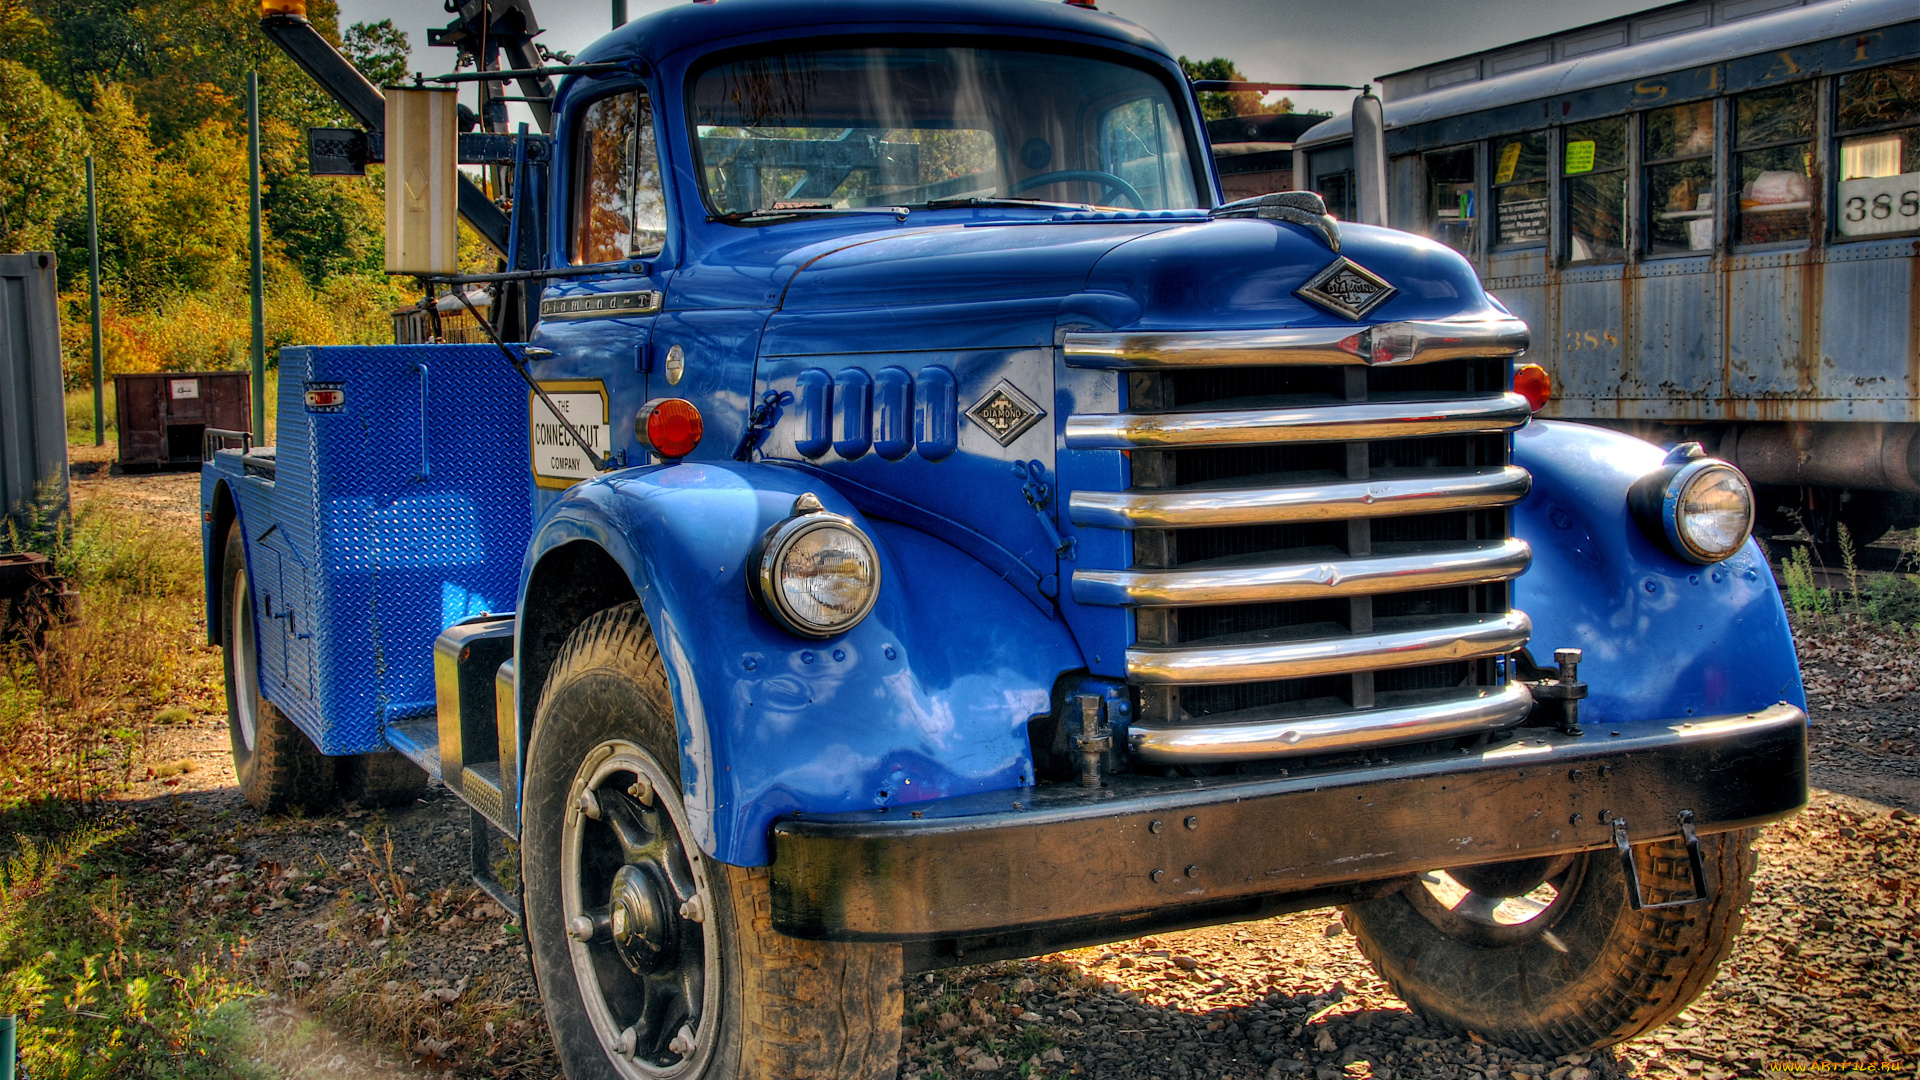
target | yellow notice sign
x=1579, y=157
x=1509, y=161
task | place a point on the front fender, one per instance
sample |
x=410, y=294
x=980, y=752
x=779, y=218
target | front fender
x=1662, y=638
x=928, y=697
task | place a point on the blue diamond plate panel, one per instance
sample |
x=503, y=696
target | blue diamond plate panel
x=397, y=509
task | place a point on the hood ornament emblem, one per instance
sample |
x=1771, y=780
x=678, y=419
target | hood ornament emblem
x=1005, y=413
x=1347, y=289
x=1303, y=208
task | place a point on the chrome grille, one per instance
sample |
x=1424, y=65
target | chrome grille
x=1321, y=558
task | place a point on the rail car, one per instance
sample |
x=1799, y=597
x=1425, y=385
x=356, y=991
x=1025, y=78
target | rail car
x=1708, y=212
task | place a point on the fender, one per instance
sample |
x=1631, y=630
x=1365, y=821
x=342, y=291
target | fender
x=1662, y=638
x=927, y=697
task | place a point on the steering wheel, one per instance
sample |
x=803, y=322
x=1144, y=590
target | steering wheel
x=1093, y=176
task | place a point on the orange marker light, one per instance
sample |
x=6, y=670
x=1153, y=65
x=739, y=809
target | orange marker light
x=670, y=427
x=1531, y=381
x=283, y=7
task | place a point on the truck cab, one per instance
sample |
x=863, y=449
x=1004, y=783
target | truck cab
x=926, y=523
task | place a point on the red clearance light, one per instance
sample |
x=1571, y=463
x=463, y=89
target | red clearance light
x=670, y=427
x=1531, y=381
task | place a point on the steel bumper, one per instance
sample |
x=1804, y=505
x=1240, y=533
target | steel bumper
x=1043, y=857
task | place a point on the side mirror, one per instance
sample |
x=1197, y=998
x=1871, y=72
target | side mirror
x=423, y=153
x=1369, y=161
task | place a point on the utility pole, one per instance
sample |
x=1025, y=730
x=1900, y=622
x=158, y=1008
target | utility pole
x=93, y=276
x=619, y=13
x=259, y=352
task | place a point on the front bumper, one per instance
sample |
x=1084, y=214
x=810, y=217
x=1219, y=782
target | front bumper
x=1033, y=858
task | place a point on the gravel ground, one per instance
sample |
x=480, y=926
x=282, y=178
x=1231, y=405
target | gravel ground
x=374, y=961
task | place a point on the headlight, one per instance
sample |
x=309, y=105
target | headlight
x=1699, y=508
x=817, y=573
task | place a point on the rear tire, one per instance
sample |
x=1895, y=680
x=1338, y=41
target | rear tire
x=382, y=778
x=1615, y=973
x=277, y=767
x=720, y=996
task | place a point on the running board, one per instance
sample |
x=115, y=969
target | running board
x=471, y=745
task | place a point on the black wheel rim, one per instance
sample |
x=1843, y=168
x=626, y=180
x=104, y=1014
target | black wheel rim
x=636, y=898
x=1520, y=913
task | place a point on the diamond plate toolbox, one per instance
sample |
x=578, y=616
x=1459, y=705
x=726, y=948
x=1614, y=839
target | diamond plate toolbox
x=396, y=514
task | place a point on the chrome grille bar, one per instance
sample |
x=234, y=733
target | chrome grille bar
x=1389, y=343
x=1488, y=709
x=1427, y=493
x=1483, y=413
x=1428, y=569
x=1466, y=639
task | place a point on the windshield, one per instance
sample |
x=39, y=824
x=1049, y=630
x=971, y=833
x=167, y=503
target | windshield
x=844, y=129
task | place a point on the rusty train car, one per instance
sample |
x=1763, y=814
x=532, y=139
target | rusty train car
x=1709, y=213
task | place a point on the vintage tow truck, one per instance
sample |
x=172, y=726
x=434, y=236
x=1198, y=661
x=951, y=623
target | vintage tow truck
x=908, y=519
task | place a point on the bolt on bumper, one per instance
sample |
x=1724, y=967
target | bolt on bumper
x=1031, y=858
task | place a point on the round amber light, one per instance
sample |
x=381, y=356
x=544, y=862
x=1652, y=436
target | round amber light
x=670, y=427
x=1532, y=382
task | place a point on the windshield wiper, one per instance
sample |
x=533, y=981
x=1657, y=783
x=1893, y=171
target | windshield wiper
x=770, y=212
x=1003, y=200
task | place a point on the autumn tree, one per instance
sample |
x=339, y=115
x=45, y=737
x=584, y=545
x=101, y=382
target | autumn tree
x=1217, y=104
x=42, y=150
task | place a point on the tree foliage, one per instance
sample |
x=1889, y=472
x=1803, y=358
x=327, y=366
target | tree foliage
x=1217, y=104
x=379, y=50
x=42, y=145
x=156, y=91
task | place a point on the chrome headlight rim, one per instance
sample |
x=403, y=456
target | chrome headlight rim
x=1656, y=498
x=773, y=548
x=1684, y=479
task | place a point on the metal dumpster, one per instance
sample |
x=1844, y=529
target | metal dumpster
x=162, y=416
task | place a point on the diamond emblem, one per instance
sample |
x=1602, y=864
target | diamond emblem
x=1005, y=413
x=1347, y=289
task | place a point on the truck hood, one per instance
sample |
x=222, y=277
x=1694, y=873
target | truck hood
x=1127, y=273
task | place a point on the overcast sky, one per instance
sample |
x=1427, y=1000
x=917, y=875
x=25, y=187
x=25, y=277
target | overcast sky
x=1326, y=41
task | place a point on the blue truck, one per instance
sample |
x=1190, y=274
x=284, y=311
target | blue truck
x=907, y=518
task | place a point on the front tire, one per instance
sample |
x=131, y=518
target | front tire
x=276, y=766
x=654, y=961
x=1569, y=966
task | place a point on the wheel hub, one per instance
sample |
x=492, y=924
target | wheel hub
x=642, y=929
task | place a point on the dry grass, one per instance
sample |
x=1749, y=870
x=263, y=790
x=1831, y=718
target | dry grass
x=76, y=713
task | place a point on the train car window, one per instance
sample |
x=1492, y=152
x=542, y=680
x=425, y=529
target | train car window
x=1773, y=163
x=1452, y=210
x=1879, y=126
x=1330, y=174
x=619, y=209
x=1679, y=179
x=1594, y=185
x=1520, y=190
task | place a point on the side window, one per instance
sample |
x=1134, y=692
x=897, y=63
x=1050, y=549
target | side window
x=1141, y=143
x=1879, y=127
x=619, y=208
x=1593, y=169
x=1680, y=181
x=1520, y=190
x=1452, y=213
x=1773, y=163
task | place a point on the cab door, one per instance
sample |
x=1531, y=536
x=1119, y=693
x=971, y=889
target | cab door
x=599, y=325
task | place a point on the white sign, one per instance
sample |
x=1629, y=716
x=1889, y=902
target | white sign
x=1882, y=204
x=185, y=388
x=557, y=459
